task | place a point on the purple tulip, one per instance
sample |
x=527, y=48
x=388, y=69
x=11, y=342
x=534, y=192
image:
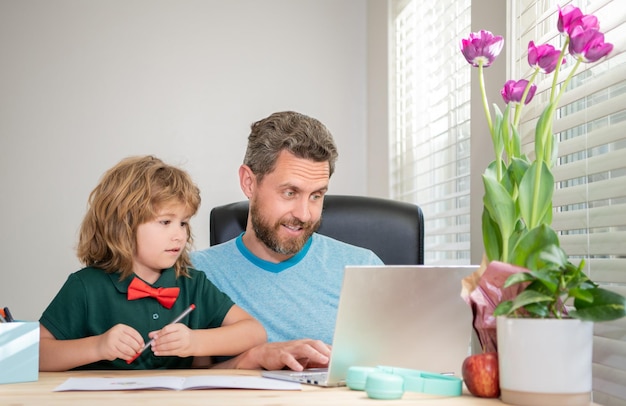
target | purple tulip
x=482, y=47
x=513, y=91
x=588, y=45
x=568, y=16
x=588, y=22
x=545, y=57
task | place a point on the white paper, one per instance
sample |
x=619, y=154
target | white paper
x=175, y=383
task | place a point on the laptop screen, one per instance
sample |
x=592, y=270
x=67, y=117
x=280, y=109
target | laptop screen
x=402, y=316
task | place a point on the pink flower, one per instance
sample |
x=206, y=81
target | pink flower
x=482, y=48
x=513, y=91
x=568, y=16
x=544, y=57
x=588, y=45
x=571, y=17
x=588, y=22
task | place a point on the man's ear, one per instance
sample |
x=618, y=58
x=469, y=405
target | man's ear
x=247, y=180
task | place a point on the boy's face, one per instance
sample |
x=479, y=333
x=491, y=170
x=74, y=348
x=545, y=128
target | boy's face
x=286, y=207
x=161, y=241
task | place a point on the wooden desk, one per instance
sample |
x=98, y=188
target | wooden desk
x=41, y=393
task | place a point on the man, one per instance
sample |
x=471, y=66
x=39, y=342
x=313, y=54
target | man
x=279, y=269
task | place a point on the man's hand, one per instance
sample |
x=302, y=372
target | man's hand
x=295, y=355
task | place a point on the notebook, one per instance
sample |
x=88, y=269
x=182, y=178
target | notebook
x=400, y=316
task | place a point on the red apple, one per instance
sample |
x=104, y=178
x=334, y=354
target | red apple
x=480, y=373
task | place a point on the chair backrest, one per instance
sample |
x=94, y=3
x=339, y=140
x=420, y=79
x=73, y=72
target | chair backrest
x=393, y=230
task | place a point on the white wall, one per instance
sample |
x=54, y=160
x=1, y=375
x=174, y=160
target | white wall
x=486, y=15
x=86, y=83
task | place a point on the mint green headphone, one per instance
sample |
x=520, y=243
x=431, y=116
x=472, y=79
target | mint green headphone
x=383, y=382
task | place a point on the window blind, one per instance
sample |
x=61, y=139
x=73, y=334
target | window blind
x=430, y=122
x=430, y=131
x=590, y=174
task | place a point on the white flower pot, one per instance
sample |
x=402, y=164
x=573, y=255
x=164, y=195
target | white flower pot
x=545, y=361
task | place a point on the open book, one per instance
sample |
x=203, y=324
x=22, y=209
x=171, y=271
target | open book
x=175, y=383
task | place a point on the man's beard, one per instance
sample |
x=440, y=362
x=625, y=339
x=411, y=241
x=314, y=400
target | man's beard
x=268, y=233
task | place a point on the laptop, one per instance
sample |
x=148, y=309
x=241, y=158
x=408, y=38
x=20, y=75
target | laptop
x=395, y=315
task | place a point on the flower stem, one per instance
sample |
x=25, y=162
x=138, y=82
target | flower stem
x=567, y=80
x=545, y=136
x=505, y=248
x=557, y=69
x=481, y=81
x=483, y=93
x=518, y=109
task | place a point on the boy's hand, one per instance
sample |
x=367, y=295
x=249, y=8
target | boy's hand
x=173, y=339
x=120, y=341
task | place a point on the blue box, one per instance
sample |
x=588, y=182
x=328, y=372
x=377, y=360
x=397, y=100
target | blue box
x=19, y=352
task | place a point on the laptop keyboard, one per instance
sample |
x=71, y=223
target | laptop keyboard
x=314, y=378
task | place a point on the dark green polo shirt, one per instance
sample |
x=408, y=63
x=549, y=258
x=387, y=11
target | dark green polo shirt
x=92, y=301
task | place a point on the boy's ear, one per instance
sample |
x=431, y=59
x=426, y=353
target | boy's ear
x=247, y=180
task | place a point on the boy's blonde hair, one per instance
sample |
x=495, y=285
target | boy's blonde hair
x=130, y=194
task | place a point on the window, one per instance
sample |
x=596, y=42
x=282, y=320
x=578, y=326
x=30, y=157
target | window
x=430, y=119
x=431, y=156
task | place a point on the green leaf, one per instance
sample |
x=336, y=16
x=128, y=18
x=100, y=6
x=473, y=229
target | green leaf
x=503, y=308
x=491, y=171
x=551, y=264
x=546, y=282
x=492, y=239
x=543, y=130
x=508, y=181
x=583, y=295
x=535, y=195
x=588, y=284
x=538, y=309
x=606, y=305
x=498, y=141
x=529, y=297
x=533, y=241
x=516, y=144
x=555, y=150
x=504, y=130
x=500, y=205
x=553, y=256
x=517, y=169
x=518, y=277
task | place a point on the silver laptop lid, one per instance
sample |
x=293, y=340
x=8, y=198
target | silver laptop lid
x=402, y=316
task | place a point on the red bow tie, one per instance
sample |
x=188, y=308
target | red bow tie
x=139, y=289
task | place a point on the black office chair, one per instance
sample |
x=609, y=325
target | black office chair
x=393, y=230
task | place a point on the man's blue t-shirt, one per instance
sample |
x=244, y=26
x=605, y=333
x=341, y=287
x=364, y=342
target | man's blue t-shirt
x=293, y=299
